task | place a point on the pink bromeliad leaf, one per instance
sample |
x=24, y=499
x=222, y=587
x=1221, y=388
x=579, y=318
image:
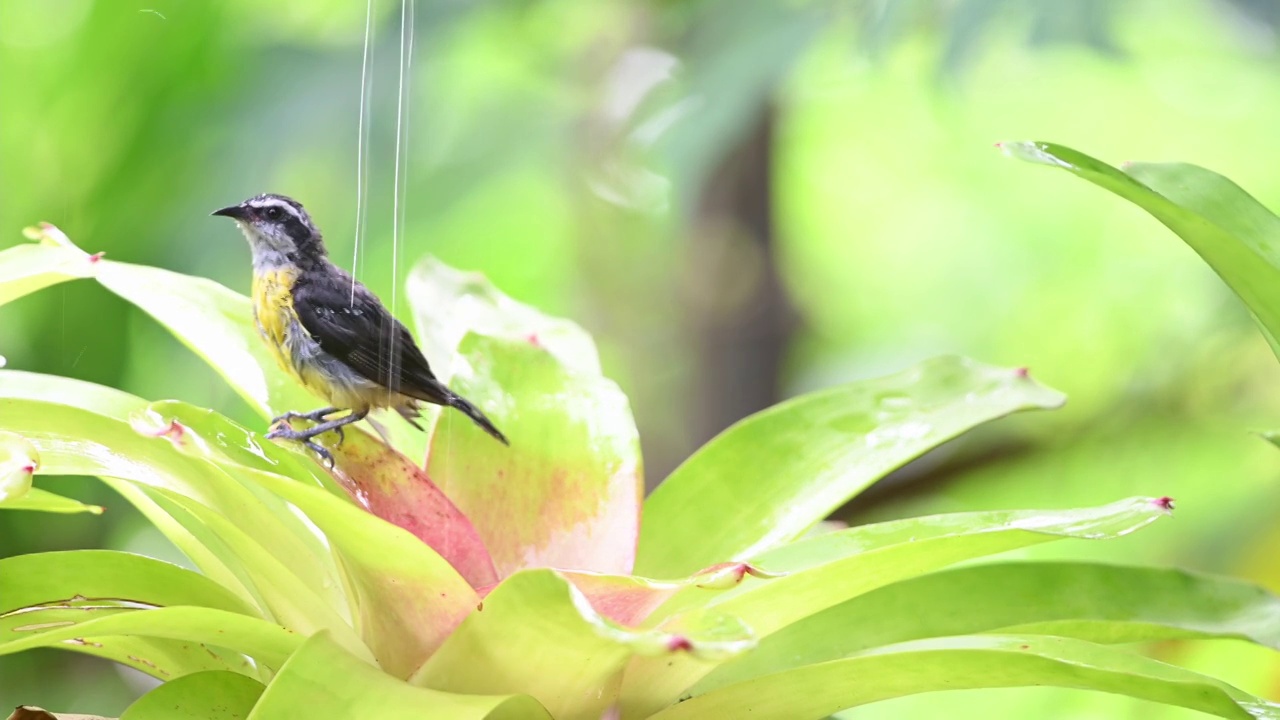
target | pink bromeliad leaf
x=394, y=488
x=566, y=493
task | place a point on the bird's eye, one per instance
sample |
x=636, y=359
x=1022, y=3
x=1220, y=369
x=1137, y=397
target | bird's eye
x=272, y=213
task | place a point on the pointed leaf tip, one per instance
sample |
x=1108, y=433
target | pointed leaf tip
x=18, y=462
x=152, y=425
x=1035, y=152
x=679, y=643
x=727, y=575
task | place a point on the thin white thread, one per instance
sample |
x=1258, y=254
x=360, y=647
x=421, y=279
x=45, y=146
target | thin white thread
x=408, y=112
x=362, y=141
x=405, y=29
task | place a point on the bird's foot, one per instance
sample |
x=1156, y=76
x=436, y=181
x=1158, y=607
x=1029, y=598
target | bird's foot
x=320, y=416
x=315, y=416
x=306, y=438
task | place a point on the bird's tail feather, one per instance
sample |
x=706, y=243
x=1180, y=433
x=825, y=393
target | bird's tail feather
x=471, y=411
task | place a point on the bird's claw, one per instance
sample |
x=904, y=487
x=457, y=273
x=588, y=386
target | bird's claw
x=324, y=454
x=304, y=437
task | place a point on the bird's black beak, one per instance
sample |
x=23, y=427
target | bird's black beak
x=235, y=212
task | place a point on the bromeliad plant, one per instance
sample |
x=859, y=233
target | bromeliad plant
x=533, y=582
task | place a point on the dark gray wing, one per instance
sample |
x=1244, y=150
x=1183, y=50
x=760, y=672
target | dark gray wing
x=350, y=323
x=355, y=328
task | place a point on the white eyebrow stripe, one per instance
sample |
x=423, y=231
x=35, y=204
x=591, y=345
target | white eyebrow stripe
x=282, y=204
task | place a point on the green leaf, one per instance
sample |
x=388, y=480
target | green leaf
x=45, y=501
x=212, y=558
x=406, y=597
x=160, y=658
x=31, y=712
x=253, y=535
x=770, y=477
x=27, y=268
x=134, y=431
x=254, y=637
x=1234, y=233
x=289, y=601
x=218, y=439
x=51, y=577
x=537, y=619
x=89, y=396
x=956, y=663
x=322, y=681
x=95, y=398
x=200, y=696
x=829, y=569
x=18, y=463
x=1099, y=603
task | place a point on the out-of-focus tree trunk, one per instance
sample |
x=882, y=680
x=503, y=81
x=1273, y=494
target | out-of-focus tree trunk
x=740, y=321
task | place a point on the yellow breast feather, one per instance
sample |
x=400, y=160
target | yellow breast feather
x=273, y=312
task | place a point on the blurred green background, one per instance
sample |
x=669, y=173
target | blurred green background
x=741, y=199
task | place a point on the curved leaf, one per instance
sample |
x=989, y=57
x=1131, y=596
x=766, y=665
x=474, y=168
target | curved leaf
x=27, y=268
x=537, y=619
x=406, y=597
x=815, y=691
x=161, y=658
x=213, y=558
x=93, y=397
x=829, y=569
x=51, y=577
x=199, y=696
x=321, y=681
x=254, y=637
x=290, y=601
x=218, y=439
x=566, y=493
x=770, y=477
x=1234, y=233
x=44, y=501
x=254, y=536
x=1100, y=603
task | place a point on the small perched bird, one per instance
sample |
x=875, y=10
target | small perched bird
x=329, y=331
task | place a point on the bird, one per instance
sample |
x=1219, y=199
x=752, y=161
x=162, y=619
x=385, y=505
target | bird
x=329, y=331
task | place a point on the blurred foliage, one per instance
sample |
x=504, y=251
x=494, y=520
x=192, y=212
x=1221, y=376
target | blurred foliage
x=562, y=147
